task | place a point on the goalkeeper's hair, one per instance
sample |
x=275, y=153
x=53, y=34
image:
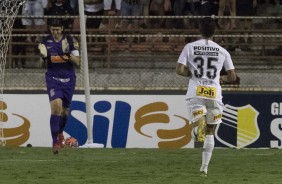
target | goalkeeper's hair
x=207, y=27
x=56, y=22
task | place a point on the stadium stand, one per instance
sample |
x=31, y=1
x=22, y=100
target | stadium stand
x=154, y=42
x=155, y=50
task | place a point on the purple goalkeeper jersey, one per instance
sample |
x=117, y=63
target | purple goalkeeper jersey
x=57, y=67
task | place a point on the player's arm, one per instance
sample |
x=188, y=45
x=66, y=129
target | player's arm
x=75, y=59
x=230, y=77
x=72, y=57
x=230, y=70
x=182, y=70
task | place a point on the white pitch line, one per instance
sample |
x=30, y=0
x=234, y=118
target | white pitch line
x=13, y=160
x=264, y=154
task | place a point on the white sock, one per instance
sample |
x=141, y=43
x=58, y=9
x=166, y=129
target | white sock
x=207, y=152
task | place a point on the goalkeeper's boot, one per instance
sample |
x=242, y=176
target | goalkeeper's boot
x=56, y=148
x=201, y=130
x=203, y=174
x=61, y=140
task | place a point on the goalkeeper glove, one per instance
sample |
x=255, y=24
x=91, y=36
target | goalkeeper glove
x=43, y=50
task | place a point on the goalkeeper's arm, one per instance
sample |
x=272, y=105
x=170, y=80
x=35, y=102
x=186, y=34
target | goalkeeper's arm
x=72, y=57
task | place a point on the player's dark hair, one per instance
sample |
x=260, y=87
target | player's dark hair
x=207, y=27
x=56, y=23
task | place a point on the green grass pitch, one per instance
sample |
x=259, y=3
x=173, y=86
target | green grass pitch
x=138, y=166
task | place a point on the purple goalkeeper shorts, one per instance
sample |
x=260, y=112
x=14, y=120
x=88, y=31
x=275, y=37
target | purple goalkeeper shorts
x=60, y=88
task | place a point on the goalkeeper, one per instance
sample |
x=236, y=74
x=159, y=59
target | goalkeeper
x=61, y=53
x=202, y=61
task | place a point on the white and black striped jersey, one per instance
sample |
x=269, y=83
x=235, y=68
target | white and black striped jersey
x=205, y=59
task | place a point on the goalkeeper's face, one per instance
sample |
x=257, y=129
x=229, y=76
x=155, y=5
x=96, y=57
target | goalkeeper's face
x=56, y=32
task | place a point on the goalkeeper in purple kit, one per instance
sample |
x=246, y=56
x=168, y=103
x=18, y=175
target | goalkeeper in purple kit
x=61, y=52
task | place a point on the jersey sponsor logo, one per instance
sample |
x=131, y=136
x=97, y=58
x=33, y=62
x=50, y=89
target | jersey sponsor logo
x=241, y=123
x=206, y=82
x=200, y=53
x=198, y=113
x=52, y=92
x=65, y=80
x=57, y=59
x=205, y=91
x=206, y=48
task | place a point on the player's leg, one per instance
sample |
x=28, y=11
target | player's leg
x=107, y=9
x=213, y=117
x=56, y=104
x=221, y=9
x=39, y=24
x=196, y=116
x=201, y=129
x=144, y=11
x=66, y=101
x=207, y=149
x=63, y=120
x=62, y=124
x=27, y=22
x=56, y=109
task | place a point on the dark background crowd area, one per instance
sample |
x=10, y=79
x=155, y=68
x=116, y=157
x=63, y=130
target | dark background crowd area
x=141, y=8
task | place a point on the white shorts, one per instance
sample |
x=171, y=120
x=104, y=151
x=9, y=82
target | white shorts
x=33, y=8
x=108, y=4
x=199, y=107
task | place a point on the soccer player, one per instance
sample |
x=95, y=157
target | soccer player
x=202, y=61
x=61, y=52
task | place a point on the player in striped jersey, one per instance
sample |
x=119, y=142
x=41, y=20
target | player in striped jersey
x=202, y=61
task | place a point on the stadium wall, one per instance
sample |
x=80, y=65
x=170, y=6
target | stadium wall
x=250, y=120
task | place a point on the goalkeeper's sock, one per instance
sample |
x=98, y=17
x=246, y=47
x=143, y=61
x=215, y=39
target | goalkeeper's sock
x=62, y=124
x=54, y=125
x=207, y=152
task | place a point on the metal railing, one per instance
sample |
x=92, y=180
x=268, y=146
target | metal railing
x=146, y=58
